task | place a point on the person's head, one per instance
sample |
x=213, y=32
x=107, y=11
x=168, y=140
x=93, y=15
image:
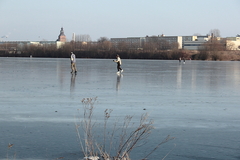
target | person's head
x=117, y=55
x=71, y=52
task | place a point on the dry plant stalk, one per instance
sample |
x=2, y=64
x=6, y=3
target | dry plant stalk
x=122, y=147
x=88, y=147
x=8, y=148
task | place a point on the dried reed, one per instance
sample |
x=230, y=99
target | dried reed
x=112, y=148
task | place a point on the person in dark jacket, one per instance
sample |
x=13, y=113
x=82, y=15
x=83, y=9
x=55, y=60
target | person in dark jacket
x=119, y=63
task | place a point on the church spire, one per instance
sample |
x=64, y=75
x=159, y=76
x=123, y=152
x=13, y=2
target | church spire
x=61, y=37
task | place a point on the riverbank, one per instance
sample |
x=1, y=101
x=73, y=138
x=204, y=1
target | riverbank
x=215, y=55
x=134, y=54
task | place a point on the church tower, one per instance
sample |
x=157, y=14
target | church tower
x=61, y=37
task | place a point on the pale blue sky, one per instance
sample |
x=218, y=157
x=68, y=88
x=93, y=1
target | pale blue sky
x=42, y=19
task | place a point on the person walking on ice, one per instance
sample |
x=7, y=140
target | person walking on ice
x=73, y=63
x=119, y=63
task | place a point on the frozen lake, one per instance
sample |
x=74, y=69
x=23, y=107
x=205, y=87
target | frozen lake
x=197, y=102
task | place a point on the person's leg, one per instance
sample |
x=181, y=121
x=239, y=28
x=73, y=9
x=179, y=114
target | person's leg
x=120, y=69
x=118, y=66
x=72, y=67
x=75, y=67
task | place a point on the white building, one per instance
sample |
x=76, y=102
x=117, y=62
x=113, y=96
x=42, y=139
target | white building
x=194, y=42
x=233, y=43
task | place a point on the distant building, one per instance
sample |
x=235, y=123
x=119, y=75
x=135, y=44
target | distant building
x=130, y=42
x=61, y=39
x=183, y=42
x=138, y=42
x=170, y=39
x=73, y=37
x=194, y=42
x=233, y=43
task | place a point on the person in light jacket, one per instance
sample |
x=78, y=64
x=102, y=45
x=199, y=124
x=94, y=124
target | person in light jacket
x=73, y=63
x=119, y=63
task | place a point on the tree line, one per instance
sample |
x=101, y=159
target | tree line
x=103, y=48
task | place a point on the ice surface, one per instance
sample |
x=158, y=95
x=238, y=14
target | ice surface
x=196, y=102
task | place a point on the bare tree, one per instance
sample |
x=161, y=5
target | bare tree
x=104, y=43
x=102, y=39
x=158, y=43
x=123, y=46
x=212, y=49
x=215, y=45
x=215, y=32
x=83, y=38
x=81, y=42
